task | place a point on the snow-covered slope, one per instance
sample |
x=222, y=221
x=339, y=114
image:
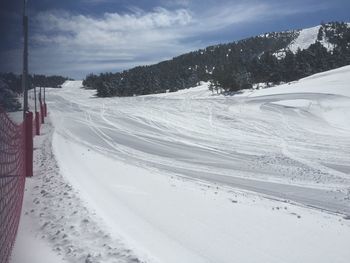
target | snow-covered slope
x=333, y=82
x=183, y=177
x=305, y=39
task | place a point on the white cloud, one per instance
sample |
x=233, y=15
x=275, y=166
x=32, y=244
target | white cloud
x=115, y=41
x=124, y=37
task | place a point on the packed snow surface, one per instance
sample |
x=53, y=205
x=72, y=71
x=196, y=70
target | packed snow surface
x=260, y=176
x=56, y=226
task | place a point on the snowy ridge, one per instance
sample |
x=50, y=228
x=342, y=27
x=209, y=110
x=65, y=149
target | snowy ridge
x=305, y=39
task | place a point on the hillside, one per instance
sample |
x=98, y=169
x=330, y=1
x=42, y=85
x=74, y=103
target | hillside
x=270, y=58
x=263, y=171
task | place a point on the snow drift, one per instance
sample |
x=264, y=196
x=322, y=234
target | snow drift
x=261, y=176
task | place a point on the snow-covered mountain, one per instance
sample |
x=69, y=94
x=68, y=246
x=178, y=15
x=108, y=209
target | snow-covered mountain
x=269, y=58
x=306, y=37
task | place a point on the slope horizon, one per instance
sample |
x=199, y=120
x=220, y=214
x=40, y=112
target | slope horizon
x=84, y=36
x=81, y=77
x=248, y=171
x=269, y=58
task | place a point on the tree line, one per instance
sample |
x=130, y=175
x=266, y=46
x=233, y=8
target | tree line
x=232, y=66
x=11, y=87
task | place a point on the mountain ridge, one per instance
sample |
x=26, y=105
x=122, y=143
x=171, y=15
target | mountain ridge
x=273, y=57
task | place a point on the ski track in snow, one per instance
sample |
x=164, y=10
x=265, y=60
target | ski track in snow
x=251, y=142
x=61, y=217
x=195, y=177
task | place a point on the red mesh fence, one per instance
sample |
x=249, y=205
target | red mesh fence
x=12, y=180
x=16, y=163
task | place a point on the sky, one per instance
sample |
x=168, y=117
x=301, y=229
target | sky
x=75, y=38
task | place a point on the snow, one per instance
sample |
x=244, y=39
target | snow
x=201, y=91
x=29, y=247
x=297, y=103
x=174, y=220
x=329, y=85
x=329, y=82
x=16, y=117
x=305, y=39
x=56, y=225
x=259, y=176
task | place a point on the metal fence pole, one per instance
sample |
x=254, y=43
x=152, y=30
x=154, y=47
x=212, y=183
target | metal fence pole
x=25, y=60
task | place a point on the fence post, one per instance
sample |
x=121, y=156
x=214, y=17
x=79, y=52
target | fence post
x=37, y=123
x=45, y=107
x=29, y=144
x=42, y=113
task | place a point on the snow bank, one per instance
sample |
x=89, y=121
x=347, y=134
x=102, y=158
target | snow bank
x=191, y=177
x=29, y=246
x=169, y=219
x=334, y=109
x=330, y=82
x=56, y=225
x=201, y=91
